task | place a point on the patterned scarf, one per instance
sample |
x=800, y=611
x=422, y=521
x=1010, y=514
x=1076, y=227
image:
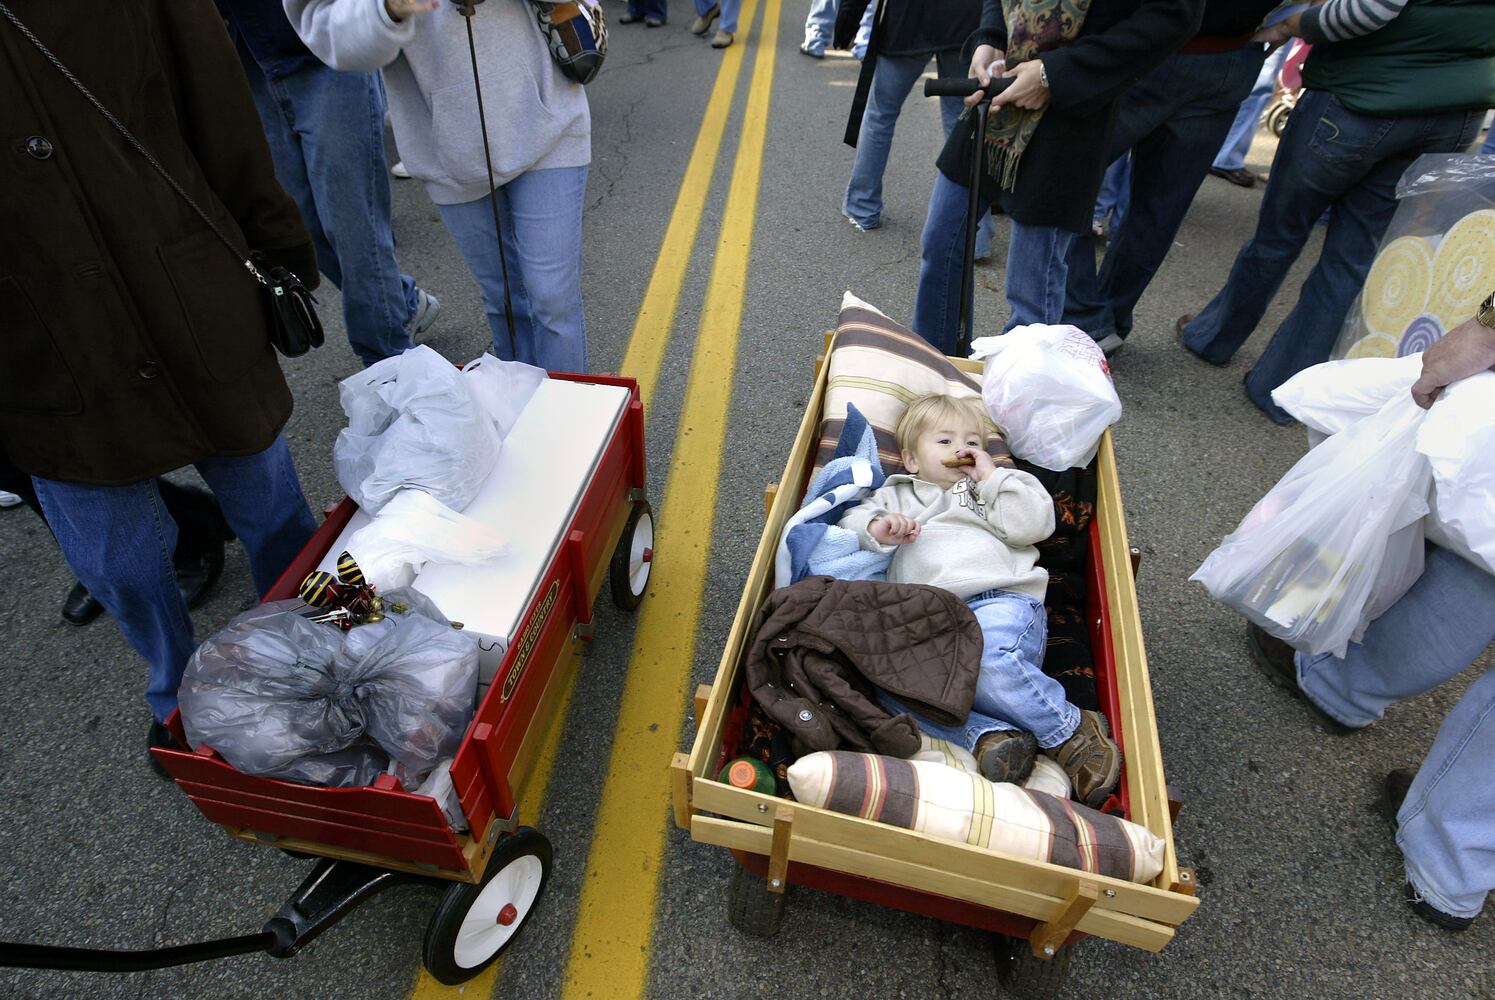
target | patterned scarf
x=1033, y=26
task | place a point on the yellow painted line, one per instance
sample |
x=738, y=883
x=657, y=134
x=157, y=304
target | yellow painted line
x=615, y=918
x=645, y=353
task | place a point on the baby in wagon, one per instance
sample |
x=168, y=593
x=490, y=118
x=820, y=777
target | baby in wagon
x=961, y=522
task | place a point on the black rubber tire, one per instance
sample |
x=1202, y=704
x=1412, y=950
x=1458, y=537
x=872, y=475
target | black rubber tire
x=1277, y=116
x=1026, y=977
x=439, y=952
x=620, y=572
x=752, y=908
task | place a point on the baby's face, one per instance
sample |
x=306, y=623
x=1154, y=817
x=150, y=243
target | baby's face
x=926, y=459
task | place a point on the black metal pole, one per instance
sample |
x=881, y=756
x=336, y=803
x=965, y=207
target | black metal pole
x=967, y=320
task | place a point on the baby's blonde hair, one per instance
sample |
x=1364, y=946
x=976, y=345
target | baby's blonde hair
x=936, y=408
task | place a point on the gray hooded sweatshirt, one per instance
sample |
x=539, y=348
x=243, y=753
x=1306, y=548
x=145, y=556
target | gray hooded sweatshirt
x=537, y=118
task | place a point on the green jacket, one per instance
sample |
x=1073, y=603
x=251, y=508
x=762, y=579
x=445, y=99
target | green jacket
x=1436, y=55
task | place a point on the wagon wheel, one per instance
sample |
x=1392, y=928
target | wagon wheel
x=1027, y=977
x=628, y=577
x=752, y=908
x=474, y=923
x=1277, y=117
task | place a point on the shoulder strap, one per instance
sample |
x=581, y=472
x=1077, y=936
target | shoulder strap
x=150, y=158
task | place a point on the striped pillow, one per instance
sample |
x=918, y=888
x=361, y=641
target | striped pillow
x=953, y=804
x=882, y=367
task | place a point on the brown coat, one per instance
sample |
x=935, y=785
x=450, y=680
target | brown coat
x=131, y=341
x=820, y=645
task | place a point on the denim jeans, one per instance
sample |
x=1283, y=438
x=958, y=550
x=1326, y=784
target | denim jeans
x=1330, y=158
x=1036, y=268
x=119, y=541
x=1446, y=826
x=648, y=8
x=1115, y=194
x=1012, y=691
x=541, y=216
x=820, y=26
x=326, y=135
x=729, y=11
x=1232, y=153
x=892, y=79
x=1488, y=147
x=1172, y=120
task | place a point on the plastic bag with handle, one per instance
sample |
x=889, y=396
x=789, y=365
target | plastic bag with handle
x=413, y=529
x=1338, y=539
x=1050, y=390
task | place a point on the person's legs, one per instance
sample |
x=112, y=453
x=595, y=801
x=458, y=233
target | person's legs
x=262, y=501
x=657, y=9
x=1012, y=686
x=1432, y=634
x=1237, y=143
x=119, y=542
x=948, y=63
x=820, y=25
x=1302, y=186
x=545, y=209
x=966, y=735
x=1359, y=220
x=471, y=226
x=730, y=10
x=892, y=79
x=1445, y=827
x=941, y=259
x=1037, y=273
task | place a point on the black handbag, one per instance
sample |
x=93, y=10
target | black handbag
x=290, y=308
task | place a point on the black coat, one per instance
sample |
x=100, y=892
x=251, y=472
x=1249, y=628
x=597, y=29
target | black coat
x=910, y=27
x=132, y=342
x=1061, y=170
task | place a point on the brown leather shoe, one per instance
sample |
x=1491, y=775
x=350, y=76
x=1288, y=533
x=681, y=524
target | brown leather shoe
x=1006, y=755
x=1276, y=660
x=1091, y=759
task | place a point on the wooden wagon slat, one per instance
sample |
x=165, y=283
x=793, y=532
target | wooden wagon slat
x=1138, y=899
x=1110, y=924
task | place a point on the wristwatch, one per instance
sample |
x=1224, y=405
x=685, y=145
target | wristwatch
x=1485, y=314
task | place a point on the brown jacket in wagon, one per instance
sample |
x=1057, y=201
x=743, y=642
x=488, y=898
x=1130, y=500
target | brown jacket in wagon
x=131, y=341
x=820, y=645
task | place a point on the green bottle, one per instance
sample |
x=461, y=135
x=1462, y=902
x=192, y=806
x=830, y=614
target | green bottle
x=749, y=773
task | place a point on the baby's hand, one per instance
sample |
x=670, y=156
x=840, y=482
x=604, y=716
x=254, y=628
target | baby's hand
x=894, y=529
x=984, y=466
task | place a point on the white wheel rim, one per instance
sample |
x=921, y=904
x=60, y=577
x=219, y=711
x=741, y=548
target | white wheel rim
x=641, y=554
x=482, y=935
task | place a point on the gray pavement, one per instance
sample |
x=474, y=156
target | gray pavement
x=1300, y=878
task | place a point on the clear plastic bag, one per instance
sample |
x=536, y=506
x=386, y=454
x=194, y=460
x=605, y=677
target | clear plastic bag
x=413, y=424
x=1049, y=388
x=282, y=696
x=502, y=388
x=1458, y=439
x=1336, y=541
x=1435, y=263
x=415, y=528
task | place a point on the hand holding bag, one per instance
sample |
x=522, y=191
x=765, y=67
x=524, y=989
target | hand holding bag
x=290, y=309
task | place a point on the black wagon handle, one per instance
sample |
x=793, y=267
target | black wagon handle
x=963, y=86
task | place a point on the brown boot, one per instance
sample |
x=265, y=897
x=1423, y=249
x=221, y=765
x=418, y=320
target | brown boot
x=1091, y=759
x=1006, y=755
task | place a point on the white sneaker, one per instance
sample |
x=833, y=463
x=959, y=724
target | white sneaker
x=427, y=308
x=398, y=170
x=1110, y=344
x=9, y=500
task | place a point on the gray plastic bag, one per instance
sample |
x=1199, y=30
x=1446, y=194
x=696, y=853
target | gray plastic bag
x=281, y=696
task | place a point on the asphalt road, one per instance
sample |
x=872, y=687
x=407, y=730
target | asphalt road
x=1300, y=878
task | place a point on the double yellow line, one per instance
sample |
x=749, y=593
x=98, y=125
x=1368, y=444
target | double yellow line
x=610, y=940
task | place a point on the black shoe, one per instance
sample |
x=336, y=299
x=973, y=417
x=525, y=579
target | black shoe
x=80, y=607
x=1241, y=177
x=196, y=574
x=1394, y=791
x=1433, y=915
x=1274, y=658
x=159, y=737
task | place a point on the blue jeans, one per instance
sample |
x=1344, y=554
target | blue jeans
x=1171, y=120
x=1446, y=826
x=820, y=26
x=1330, y=158
x=648, y=8
x=119, y=542
x=1036, y=268
x=1232, y=153
x=1012, y=691
x=1115, y=193
x=326, y=135
x=729, y=8
x=541, y=214
x=1488, y=148
x=893, y=77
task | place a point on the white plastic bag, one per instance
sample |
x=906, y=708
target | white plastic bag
x=1458, y=439
x=413, y=424
x=415, y=528
x=1050, y=389
x=502, y=388
x=1332, y=396
x=1336, y=541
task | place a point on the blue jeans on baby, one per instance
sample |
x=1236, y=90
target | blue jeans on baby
x=1012, y=691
